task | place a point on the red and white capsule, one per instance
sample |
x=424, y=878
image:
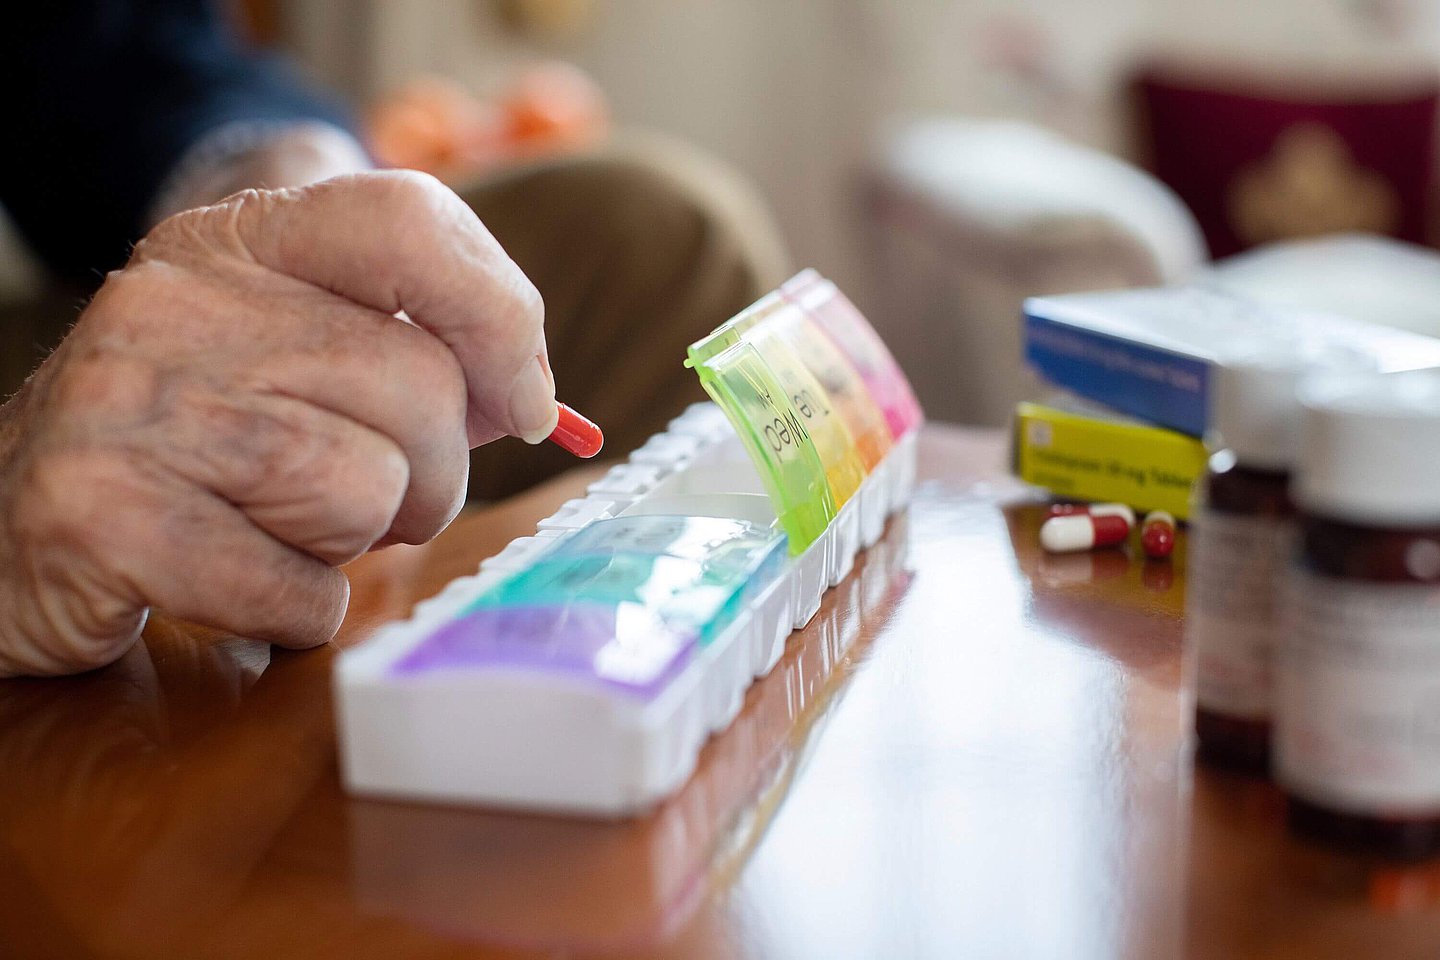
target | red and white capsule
x=1082, y=531
x=1157, y=535
x=1094, y=510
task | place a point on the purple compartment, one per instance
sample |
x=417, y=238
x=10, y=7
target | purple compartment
x=621, y=645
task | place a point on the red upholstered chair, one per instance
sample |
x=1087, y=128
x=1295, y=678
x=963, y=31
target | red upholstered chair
x=1260, y=157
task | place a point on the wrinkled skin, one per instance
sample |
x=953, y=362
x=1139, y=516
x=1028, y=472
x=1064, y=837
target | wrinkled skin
x=240, y=410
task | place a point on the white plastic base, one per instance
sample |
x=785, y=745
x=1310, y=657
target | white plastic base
x=528, y=739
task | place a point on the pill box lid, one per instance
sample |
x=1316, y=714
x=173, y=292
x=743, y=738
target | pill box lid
x=1370, y=448
x=1254, y=399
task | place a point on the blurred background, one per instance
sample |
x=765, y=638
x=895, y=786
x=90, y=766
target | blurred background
x=941, y=159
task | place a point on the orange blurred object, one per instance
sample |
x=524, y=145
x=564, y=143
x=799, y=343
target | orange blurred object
x=557, y=102
x=436, y=125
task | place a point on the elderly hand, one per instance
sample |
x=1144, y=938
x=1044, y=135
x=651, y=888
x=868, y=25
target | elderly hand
x=240, y=410
x=296, y=154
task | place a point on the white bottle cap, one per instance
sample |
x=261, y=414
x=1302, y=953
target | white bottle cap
x=1370, y=448
x=1254, y=406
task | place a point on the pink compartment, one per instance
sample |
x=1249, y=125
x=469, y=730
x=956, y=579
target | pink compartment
x=862, y=346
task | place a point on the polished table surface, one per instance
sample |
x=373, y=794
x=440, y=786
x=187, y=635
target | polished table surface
x=975, y=750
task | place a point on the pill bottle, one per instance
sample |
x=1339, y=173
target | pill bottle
x=1357, y=699
x=1240, y=530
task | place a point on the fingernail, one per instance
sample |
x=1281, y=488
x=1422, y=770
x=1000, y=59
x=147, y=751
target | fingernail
x=532, y=403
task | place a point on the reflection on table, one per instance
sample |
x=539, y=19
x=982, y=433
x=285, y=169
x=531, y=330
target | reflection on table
x=975, y=750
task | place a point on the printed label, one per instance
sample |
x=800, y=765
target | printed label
x=830, y=436
x=1357, y=698
x=841, y=381
x=1234, y=563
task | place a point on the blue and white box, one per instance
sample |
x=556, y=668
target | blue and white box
x=1148, y=352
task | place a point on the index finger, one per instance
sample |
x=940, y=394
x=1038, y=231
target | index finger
x=401, y=240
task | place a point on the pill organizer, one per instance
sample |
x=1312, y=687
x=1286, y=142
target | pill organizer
x=581, y=669
x=627, y=890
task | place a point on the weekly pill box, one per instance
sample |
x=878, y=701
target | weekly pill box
x=582, y=668
x=662, y=863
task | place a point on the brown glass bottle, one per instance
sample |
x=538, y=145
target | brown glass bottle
x=1359, y=554
x=1240, y=531
x=1240, y=493
x=1356, y=743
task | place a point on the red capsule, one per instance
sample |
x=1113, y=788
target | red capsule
x=1157, y=535
x=577, y=434
x=1082, y=532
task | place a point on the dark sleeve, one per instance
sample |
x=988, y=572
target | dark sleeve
x=103, y=98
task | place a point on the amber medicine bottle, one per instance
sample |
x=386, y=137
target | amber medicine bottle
x=1240, y=531
x=1357, y=707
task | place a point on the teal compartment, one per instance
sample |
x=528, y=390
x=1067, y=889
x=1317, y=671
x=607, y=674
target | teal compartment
x=694, y=573
x=726, y=547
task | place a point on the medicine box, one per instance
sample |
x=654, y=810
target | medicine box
x=1080, y=453
x=1148, y=352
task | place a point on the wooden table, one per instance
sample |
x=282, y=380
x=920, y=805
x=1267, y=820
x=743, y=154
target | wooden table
x=997, y=767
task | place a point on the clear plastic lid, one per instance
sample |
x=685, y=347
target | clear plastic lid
x=775, y=436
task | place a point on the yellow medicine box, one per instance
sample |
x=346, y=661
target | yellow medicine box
x=1093, y=456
